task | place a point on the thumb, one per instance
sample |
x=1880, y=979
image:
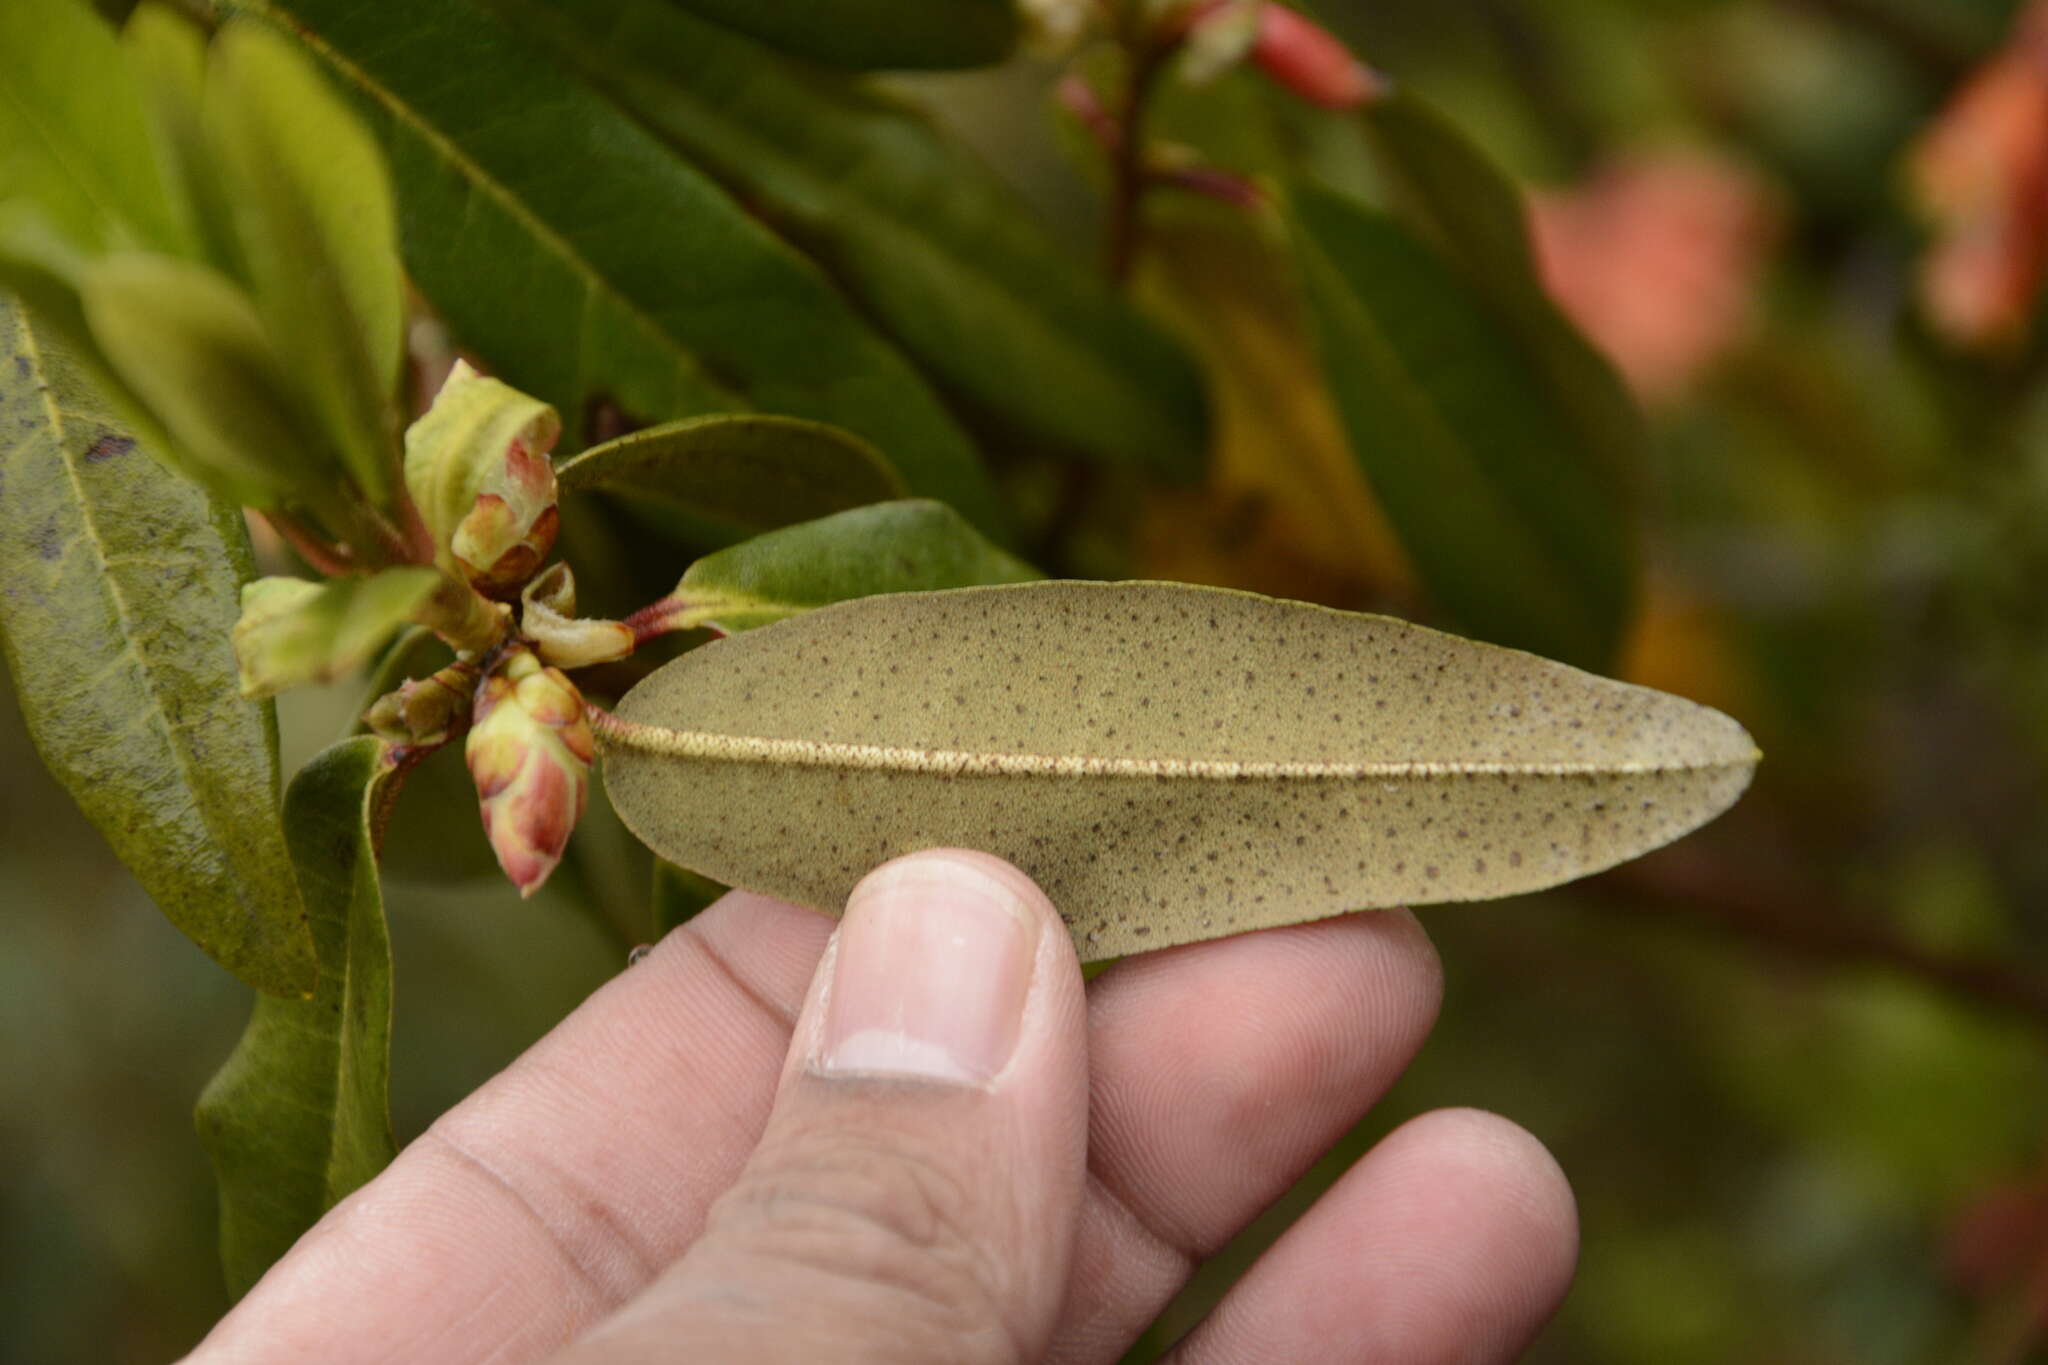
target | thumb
x=914, y=1196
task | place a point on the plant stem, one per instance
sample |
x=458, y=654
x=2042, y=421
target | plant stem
x=1802, y=922
x=1128, y=178
x=321, y=555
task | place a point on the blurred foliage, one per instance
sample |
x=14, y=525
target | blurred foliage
x=1797, y=1068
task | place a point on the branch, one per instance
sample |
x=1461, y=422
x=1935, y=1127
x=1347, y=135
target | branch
x=1799, y=921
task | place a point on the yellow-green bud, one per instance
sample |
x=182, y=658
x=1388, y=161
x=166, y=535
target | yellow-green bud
x=424, y=712
x=529, y=752
x=477, y=467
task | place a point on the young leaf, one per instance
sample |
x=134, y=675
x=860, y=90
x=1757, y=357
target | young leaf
x=743, y=469
x=589, y=265
x=1171, y=763
x=166, y=57
x=73, y=140
x=1486, y=474
x=941, y=253
x=186, y=341
x=300, y=1113
x=911, y=546
x=871, y=34
x=118, y=586
x=317, y=235
x=293, y=632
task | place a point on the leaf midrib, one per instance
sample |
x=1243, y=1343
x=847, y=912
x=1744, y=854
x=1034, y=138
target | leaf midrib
x=660, y=741
x=159, y=718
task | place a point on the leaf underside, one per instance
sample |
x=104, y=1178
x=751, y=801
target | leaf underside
x=119, y=584
x=300, y=1113
x=1171, y=763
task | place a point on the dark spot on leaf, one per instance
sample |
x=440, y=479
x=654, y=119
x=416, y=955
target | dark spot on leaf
x=107, y=447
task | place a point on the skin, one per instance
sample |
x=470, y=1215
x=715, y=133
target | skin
x=671, y=1175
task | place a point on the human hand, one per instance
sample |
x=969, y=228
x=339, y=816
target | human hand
x=930, y=1145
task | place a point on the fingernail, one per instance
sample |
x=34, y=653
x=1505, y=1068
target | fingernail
x=929, y=975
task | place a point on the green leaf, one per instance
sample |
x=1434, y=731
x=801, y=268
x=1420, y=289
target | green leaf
x=300, y=1114
x=939, y=251
x=1445, y=188
x=187, y=343
x=590, y=266
x=73, y=139
x=293, y=632
x=166, y=54
x=1489, y=479
x=118, y=586
x=318, y=238
x=872, y=34
x=744, y=470
x=892, y=547
x=1170, y=763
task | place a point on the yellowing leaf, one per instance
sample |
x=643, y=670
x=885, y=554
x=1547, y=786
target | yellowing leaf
x=1171, y=763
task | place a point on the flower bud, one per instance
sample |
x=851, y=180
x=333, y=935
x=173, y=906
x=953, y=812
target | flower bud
x=425, y=712
x=529, y=752
x=477, y=466
x=1308, y=60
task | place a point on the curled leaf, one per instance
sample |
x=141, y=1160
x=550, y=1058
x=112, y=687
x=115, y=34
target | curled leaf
x=1170, y=763
x=549, y=620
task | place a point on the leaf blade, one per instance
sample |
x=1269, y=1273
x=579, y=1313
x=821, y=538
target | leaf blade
x=121, y=659
x=1483, y=471
x=299, y=1115
x=72, y=133
x=747, y=470
x=1445, y=187
x=939, y=251
x=640, y=283
x=317, y=233
x=1172, y=763
x=910, y=546
x=867, y=34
